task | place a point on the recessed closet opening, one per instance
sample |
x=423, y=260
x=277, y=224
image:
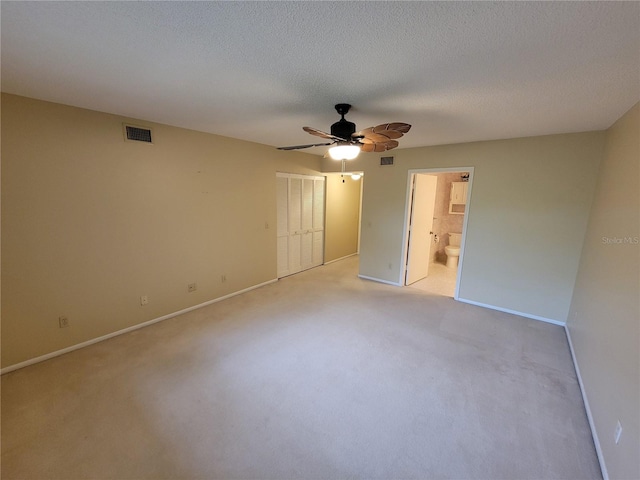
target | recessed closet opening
x=318, y=219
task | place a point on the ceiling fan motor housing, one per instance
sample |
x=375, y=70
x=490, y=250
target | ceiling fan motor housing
x=343, y=128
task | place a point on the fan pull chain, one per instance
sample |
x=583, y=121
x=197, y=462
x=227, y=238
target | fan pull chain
x=342, y=176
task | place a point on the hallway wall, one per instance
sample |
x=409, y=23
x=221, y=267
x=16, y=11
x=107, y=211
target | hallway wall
x=342, y=216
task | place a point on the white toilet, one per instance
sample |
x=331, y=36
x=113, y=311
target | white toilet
x=453, y=249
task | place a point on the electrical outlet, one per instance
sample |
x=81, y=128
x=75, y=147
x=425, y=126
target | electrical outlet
x=63, y=322
x=192, y=287
x=618, y=432
x=144, y=300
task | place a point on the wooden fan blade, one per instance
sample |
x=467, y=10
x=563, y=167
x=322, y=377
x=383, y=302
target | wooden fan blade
x=367, y=147
x=378, y=138
x=388, y=145
x=299, y=147
x=388, y=130
x=378, y=147
x=397, y=127
x=383, y=131
x=363, y=133
x=391, y=134
x=320, y=133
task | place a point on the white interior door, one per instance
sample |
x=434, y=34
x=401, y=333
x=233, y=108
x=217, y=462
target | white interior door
x=295, y=225
x=317, y=227
x=423, y=201
x=282, y=193
x=306, y=224
x=300, y=223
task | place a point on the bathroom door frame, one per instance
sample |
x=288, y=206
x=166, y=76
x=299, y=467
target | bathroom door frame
x=407, y=219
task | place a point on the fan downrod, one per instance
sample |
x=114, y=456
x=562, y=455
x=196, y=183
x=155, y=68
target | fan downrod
x=342, y=109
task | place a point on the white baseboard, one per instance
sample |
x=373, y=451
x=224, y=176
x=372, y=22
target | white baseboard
x=592, y=425
x=379, y=280
x=514, y=312
x=341, y=258
x=78, y=346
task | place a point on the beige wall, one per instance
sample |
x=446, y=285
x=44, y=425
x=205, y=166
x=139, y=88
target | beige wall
x=91, y=222
x=342, y=216
x=604, y=319
x=529, y=207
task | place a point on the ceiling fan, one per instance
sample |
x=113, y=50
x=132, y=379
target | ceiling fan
x=348, y=143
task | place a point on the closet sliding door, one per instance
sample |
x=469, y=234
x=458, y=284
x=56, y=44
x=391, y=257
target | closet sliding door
x=300, y=222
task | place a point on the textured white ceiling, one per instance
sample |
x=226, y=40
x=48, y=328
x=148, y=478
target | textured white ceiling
x=259, y=71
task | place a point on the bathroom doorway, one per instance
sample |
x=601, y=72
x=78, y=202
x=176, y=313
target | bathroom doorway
x=435, y=228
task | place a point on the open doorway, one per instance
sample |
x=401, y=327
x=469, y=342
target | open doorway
x=343, y=206
x=436, y=218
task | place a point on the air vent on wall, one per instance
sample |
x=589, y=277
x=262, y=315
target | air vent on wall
x=137, y=134
x=386, y=160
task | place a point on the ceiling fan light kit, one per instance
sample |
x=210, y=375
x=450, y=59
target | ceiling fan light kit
x=347, y=143
x=346, y=151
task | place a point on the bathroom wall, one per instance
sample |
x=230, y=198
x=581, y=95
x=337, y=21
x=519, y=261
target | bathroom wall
x=443, y=221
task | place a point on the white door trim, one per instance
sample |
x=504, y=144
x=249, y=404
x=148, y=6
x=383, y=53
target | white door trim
x=407, y=213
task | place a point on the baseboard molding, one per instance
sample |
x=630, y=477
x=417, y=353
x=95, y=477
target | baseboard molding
x=379, y=280
x=78, y=346
x=341, y=258
x=592, y=425
x=514, y=312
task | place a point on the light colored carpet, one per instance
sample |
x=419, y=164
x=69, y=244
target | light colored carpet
x=440, y=281
x=321, y=375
